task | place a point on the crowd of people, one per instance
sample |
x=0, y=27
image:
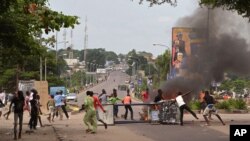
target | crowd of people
x=56, y=105
x=30, y=102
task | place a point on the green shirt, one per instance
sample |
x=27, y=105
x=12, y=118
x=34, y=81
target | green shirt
x=89, y=103
x=113, y=100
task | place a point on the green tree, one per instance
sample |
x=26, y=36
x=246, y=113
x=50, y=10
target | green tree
x=163, y=65
x=22, y=22
x=241, y=6
x=111, y=56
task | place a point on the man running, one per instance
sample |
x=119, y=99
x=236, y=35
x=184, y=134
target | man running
x=18, y=102
x=90, y=115
x=182, y=105
x=96, y=105
x=210, y=109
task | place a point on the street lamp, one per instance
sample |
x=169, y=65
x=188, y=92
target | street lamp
x=170, y=61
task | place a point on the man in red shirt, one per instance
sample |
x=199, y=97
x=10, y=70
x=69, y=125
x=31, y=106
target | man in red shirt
x=97, y=104
x=145, y=96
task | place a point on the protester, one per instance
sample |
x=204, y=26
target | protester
x=159, y=96
x=90, y=116
x=1, y=107
x=10, y=98
x=127, y=101
x=34, y=110
x=58, y=104
x=64, y=104
x=51, y=108
x=96, y=105
x=2, y=99
x=103, y=97
x=145, y=96
x=182, y=105
x=113, y=100
x=27, y=101
x=210, y=109
x=18, y=102
x=39, y=110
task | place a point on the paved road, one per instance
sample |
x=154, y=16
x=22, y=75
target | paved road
x=73, y=129
x=192, y=131
x=115, y=78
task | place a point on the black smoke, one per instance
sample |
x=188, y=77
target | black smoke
x=225, y=49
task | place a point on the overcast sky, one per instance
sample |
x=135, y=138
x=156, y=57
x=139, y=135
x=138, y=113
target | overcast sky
x=123, y=25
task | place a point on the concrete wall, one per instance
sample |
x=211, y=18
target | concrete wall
x=42, y=89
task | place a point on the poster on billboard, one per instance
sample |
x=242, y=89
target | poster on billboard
x=185, y=42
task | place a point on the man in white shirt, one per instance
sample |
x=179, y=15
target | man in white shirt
x=182, y=105
x=2, y=100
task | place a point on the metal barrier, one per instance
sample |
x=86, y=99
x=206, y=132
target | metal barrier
x=164, y=112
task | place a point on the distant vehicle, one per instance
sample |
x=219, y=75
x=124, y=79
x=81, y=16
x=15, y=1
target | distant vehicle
x=71, y=97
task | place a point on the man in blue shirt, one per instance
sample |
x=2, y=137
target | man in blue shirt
x=58, y=103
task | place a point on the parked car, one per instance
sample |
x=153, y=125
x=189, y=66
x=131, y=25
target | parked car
x=71, y=97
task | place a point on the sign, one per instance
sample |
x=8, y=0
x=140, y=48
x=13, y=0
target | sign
x=239, y=132
x=102, y=71
x=24, y=85
x=54, y=89
x=185, y=42
x=155, y=115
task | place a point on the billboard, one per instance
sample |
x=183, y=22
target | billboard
x=185, y=42
x=54, y=89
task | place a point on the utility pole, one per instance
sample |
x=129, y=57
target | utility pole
x=85, y=42
x=71, y=45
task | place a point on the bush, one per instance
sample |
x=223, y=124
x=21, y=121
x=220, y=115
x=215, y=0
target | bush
x=232, y=104
x=240, y=104
x=224, y=105
x=195, y=105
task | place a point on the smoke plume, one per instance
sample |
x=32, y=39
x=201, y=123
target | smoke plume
x=226, y=49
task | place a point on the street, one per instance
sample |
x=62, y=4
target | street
x=74, y=129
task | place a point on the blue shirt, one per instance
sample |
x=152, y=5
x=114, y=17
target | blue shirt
x=58, y=100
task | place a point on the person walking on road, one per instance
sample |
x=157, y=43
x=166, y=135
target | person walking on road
x=127, y=101
x=51, y=108
x=182, y=105
x=34, y=111
x=39, y=110
x=11, y=96
x=210, y=109
x=103, y=97
x=18, y=102
x=90, y=115
x=97, y=104
x=58, y=104
x=27, y=101
x=113, y=100
x=2, y=100
x=64, y=104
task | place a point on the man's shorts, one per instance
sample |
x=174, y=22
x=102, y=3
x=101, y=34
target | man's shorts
x=210, y=109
